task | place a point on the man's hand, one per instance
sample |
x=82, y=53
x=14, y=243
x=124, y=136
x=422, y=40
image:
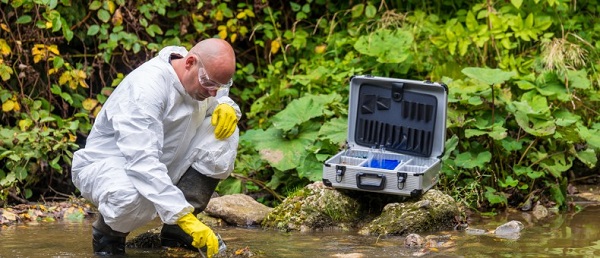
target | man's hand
x=202, y=235
x=224, y=121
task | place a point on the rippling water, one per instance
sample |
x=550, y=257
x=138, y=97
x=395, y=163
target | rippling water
x=573, y=235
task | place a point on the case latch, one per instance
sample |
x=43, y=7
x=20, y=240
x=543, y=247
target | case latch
x=397, y=91
x=401, y=180
x=339, y=173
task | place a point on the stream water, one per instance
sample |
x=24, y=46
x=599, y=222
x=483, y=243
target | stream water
x=572, y=235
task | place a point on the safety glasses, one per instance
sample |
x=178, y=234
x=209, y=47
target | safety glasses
x=207, y=83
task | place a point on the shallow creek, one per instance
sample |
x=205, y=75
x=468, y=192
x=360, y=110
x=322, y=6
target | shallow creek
x=573, y=235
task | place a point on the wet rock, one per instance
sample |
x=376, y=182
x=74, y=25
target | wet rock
x=237, y=209
x=313, y=207
x=414, y=240
x=475, y=231
x=434, y=211
x=509, y=230
x=539, y=211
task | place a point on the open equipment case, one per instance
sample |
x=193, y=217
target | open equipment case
x=396, y=136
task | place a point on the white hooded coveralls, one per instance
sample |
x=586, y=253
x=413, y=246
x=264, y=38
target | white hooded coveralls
x=148, y=133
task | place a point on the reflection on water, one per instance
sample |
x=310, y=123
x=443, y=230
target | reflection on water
x=574, y=235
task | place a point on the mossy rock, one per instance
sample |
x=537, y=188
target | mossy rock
x=434, y=211
x=314, y=207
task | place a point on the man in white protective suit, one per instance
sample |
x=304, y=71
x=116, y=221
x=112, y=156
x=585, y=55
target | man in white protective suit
x=160, y=145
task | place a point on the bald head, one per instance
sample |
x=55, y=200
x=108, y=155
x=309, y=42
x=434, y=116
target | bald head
x=218, y=58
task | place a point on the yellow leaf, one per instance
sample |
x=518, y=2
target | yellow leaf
x=320, y=49
x=48, y=24
x=83, y=84
x=8, y=105
x=52, y=71
x=111, y=6
x=97, y=110
x=233, y=37
x=24, y=124
x=37, y=58
x=53, y=49
x=4, y=48
x=249, y=12
x=72, y=138
x=17, y=107
x=64, y=78
x=89, y=103
x=241, y=15
x=81, y=74
x=117, y=18
x=223, y=34
x=219, y=15
x=5, y=27
x=275, y=46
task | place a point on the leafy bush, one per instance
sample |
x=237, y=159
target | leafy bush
x=523, y=86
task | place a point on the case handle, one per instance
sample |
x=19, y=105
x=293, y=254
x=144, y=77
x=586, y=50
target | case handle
x=365, y=186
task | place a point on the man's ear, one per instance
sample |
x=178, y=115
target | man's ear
x=190, y=61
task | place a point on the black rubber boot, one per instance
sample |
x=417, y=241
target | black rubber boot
x=174, y=236
x=106, y=241
x=197, y=189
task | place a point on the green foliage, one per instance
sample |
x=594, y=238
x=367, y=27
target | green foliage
x=523, y=87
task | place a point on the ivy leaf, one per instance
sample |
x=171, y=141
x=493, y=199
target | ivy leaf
x=487, y=75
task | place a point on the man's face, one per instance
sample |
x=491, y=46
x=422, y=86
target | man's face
x=194, y=87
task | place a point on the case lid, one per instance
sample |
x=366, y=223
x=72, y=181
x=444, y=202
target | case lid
x=402, y=116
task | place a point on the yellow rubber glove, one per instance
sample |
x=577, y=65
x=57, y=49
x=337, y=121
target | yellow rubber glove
x=224, y=121
x=202, y=235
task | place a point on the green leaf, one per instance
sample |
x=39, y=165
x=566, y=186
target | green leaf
x=357, y=10
x=469, y=160
x=93, y=30
x=24, y=19
x=279, y=152
x=371, y=11
x=336, y=130
x=311, y=168
x=95, y=5
x=301, y=110
x=494, y=198
x=516, y=3
x=578, y=79
x=231, y=185
x=103, y=15
x=591, y=136
x=588, y=157
x=508, y=182
x=389, y=46
x=487, y=75
x=533, y=126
